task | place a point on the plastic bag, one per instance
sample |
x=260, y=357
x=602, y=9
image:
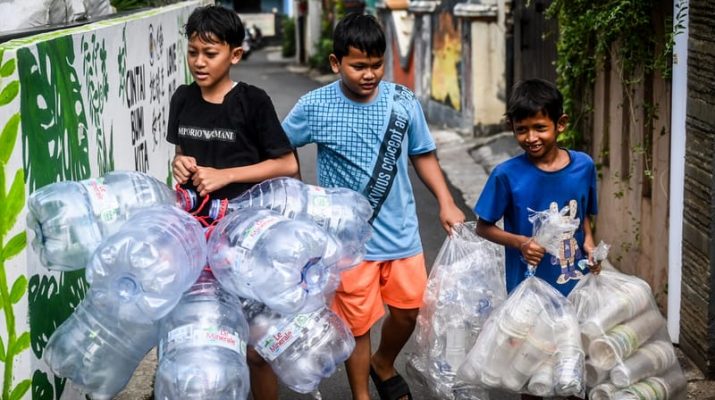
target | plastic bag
x=465, y=284
x=531, y=344
x=551, y=226
x=629, y=352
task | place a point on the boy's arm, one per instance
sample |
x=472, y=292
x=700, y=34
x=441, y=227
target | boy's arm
x=588, y=245
x=427, y=168
x=207, y=180
x=530, y=250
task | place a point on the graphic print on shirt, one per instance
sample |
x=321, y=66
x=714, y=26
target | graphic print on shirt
x=569, y=251
x=215, y=134
x=385, y=169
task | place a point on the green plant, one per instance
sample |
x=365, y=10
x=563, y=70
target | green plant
x=12, y=202
x=288, y=28
x=592, y=33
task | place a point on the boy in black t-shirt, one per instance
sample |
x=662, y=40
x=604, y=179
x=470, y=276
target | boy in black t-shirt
x=227, y=134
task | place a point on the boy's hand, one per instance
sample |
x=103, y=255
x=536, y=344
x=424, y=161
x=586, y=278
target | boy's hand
x=593, y=266
x=450, y=216
x=532, y=252
x=183, y=167
x=207, y=180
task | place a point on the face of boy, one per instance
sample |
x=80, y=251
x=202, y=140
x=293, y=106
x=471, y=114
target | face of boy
x=537, y=135
x=360, y=74
x=210, y=62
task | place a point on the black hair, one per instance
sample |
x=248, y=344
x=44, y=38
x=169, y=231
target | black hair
x=212, y=23
x=360, y=31
x=533, y=96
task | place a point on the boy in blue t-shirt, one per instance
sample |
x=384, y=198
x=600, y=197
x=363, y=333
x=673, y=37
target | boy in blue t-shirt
x=367, y=131
x=546, y=176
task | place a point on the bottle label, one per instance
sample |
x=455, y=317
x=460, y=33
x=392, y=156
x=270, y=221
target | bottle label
x=281, y=337
x=319, y=205
x=252, y=233
x=200, y=335
x=104, y=204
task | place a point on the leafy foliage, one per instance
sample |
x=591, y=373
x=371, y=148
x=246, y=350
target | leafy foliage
x=288, y=45
x=593, y=32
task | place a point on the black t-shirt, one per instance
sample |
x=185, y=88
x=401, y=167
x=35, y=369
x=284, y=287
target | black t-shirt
x=241, y=131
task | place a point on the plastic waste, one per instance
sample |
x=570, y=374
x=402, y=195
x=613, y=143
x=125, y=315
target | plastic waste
x=70, y=219
x=340, y=211
x=97, y=351
x=153, y=258
x=202, y=351
x=265, y=256
x=466, y=283
x=302, y=349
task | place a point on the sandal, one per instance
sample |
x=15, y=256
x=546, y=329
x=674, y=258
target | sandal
x=394, y=388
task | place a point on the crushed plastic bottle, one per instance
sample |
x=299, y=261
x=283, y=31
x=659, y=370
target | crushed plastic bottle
x=262, y=255
x=202, y=352
x=97, y=351
x=70, y=219
x=302, y=349
x=153, y=258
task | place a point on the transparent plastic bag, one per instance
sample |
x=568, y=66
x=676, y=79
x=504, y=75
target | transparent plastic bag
x=465, y=284
x=629, y=352
x=551, y=226
x=531, y=344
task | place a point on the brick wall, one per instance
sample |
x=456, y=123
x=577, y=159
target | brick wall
x=697, y=337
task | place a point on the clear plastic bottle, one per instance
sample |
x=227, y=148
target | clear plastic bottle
x=153, y=258
x=265, y=256
x=202, y=351
x=340, y=211
x=302, y=349
x=97, y=351
x=71, y=218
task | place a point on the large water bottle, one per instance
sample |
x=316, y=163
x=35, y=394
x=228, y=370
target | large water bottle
x=97, y=351
x=302, y=349
x=262, y=255
x=340, y=211
x=70, y=218
x=202, y=352
x=153, y=258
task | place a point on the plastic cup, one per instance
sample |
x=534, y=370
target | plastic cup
x=651, y=359
x=604, y=391
x=632, y=299
x=621, y=341
x=568, y=371
x=542, y=381
x=594, y=375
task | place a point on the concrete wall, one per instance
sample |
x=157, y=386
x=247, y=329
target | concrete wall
x=399, y=57
x=697, y=336
x=74, y=104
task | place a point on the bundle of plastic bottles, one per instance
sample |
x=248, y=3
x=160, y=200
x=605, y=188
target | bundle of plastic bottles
x=465, y=284
x=629, y=353
x=136, y=276
x=141, y=253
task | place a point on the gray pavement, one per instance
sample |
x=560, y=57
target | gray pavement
x=466, y=162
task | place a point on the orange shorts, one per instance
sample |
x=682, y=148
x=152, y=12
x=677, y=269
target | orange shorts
x=365, y=289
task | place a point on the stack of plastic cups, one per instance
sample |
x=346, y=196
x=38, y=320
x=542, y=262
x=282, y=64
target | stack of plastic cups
x=668, y=386
x=604, y=391
x=569, y=359
x=512, y=328
x=621, y=341
x=653, y=357
x=536, y=349
x=594, y=375
x=542, y=381
x=633, y=298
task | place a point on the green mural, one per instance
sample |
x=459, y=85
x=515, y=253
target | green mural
x=94, y=67
x=55, y=149
x=12, y=201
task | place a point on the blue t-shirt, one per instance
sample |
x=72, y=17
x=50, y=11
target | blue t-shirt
x=515, y=186
x=365, y=147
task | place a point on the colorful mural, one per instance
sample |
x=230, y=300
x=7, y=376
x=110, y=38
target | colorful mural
x=446, y=85
x=74, y=104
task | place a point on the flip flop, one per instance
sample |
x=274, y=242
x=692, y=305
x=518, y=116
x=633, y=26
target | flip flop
x=394, y=388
